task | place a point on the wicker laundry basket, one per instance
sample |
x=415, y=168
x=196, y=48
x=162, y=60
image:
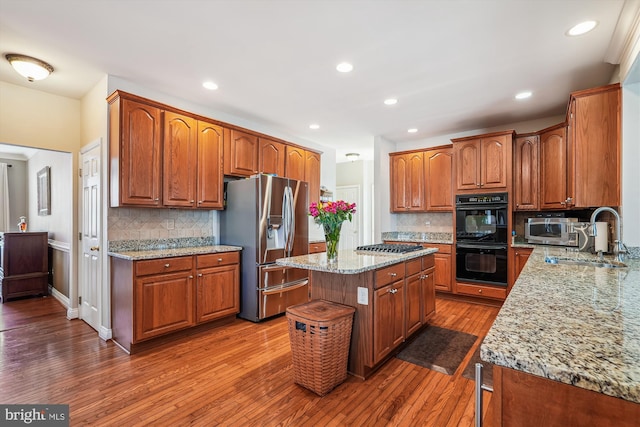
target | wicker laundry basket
x=320, y=335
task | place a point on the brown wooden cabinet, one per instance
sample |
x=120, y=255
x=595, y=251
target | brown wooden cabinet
x=317, y=247
x=407, y=182
x=443, y=261
x=240, y=153
x=180, y=154
x=294, y=163
x=312, y=175
x=482, y=162
x=155, y=297
x=24, y=264
x=217, y=290
x=413, y=295
x=135, y=151
x=525, y=173
x=518, y=260
x=271, y=156
x=554, y=193
x=388, y=320
x=594, y=144
x=209, y=166
x=428, y=277
x=439, y=179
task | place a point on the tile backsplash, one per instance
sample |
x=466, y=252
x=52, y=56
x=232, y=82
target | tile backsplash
x=440, y=222
x=144, y=223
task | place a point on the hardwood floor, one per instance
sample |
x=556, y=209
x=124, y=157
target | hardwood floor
x=236, y=375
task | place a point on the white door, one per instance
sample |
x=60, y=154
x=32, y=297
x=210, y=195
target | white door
x=91, y=262
x=350, y=233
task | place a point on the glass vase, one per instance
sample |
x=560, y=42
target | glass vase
x=332, y=237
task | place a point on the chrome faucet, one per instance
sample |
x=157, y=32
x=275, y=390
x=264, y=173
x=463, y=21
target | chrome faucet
x=618, y=248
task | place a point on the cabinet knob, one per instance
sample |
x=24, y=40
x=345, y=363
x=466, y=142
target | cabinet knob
x=199, y=274
x=190, y=277
x=156, y=200
x=219, y=259
x=166, y=265
x=199, y=202
x=393, y=274
x=193, y=201
x=479, y=291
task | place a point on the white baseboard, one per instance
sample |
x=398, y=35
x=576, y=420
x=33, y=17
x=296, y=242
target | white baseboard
x=72, y=313
x=105, y=333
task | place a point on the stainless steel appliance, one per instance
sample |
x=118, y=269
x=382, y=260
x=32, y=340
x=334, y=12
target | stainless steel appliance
x=267, y=216
x=551, y=230
x=390, y=248
x=481, y=238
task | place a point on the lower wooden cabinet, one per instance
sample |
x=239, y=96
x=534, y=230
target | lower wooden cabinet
x=388, y=320
x=413, y=304
x=152, y=298
x=518, y=260
x=317, y=247
x=482, y=291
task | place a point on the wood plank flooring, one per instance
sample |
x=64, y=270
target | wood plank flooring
x=236, y=375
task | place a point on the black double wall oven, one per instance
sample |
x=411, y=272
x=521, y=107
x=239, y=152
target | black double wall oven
x=481, y=238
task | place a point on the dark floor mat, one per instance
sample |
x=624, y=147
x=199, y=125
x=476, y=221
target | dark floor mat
x=439, y=349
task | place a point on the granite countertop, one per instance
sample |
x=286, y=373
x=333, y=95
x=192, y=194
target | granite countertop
x=575, y=324
x=350, y=261
x=173, y=252
x=419, y=237
x=165, y=248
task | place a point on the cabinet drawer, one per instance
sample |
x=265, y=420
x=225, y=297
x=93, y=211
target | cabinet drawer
x=413, y=266
x=164, y=265
x=428, y=261
x=442, y=248
x=390, y=274
x=217, y=259
x=315, y=248
x=481, y=291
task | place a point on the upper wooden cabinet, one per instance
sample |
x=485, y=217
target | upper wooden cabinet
x=594, y=147
x=180, y=154
x=482, y=161
x=294, y=163
x=135, y=151
x=271, y=156
x=525, y=173
x=240, y=153
x=312, y=175
x=438, y=165
x=209, y=184
x=407, y=182
x=553, y=168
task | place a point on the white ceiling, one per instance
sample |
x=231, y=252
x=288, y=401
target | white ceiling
x=454, y=65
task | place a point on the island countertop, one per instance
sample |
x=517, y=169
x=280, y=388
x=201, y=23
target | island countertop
x=576, y=324
x=350, y=261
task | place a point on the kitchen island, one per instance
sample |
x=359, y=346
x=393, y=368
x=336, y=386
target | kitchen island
x=393, y=294
x=566, y=344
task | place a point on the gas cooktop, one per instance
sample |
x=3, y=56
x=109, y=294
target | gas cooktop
x=389, y=248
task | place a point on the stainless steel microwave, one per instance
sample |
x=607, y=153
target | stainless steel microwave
x=551, y=231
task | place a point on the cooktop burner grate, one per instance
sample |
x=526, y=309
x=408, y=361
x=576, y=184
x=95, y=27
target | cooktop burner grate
x=389, y=248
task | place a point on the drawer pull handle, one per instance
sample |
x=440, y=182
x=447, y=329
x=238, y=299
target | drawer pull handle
x=219, y=259
x=166, y=265
x=393, y=274
x=190, y=277
x=479, y=291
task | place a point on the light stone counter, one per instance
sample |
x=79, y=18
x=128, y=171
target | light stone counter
x=350, y=261
x=578, y=325
x=418, y=237
x=172, y=252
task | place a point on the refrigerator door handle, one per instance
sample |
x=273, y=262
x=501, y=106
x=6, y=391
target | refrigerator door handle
x=292, y=220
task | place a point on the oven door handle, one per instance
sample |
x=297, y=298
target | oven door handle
x=479, y=207
x=483, y=246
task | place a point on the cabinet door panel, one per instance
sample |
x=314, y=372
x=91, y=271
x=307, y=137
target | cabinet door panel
x=399, y=188
x=312, y=175
x=428, y=294
x=271, y=156
x=415, y=195
x=467, y=156
x=244, y=153
x=140, y=154
x=439, y=180
x=413, y=304
x=163, y=304
x=442, y=278
x=526, y=173
x=294, y=163
x=494, y=162
x=553, y=169
x=210, y=179
x=218, y=293
x=180, y=155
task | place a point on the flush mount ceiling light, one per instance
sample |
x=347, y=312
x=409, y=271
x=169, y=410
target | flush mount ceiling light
x=390, y=101
x=344, y=67
x=412, y=130
x=210, y=85
x=314, y=126
x=31, y=68
x=581, y=28
x=523, y=95
x=352, y=156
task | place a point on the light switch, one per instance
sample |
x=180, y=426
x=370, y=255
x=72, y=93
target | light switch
x=363, y=296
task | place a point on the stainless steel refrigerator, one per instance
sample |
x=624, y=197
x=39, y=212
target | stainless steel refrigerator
x=267, y=216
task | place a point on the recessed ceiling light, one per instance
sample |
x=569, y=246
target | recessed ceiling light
x=314, y=126
x=412, y=130
x=210, y=85
x=390, y=101
x=523, y=95
x=581, y=28
x=344, y=67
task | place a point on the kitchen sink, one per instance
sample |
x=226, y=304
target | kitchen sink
x=587, y=262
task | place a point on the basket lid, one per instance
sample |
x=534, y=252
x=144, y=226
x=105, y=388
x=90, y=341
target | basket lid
x=320, y=310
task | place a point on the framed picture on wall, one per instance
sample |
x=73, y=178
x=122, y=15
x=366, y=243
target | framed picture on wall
x=44, y=191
